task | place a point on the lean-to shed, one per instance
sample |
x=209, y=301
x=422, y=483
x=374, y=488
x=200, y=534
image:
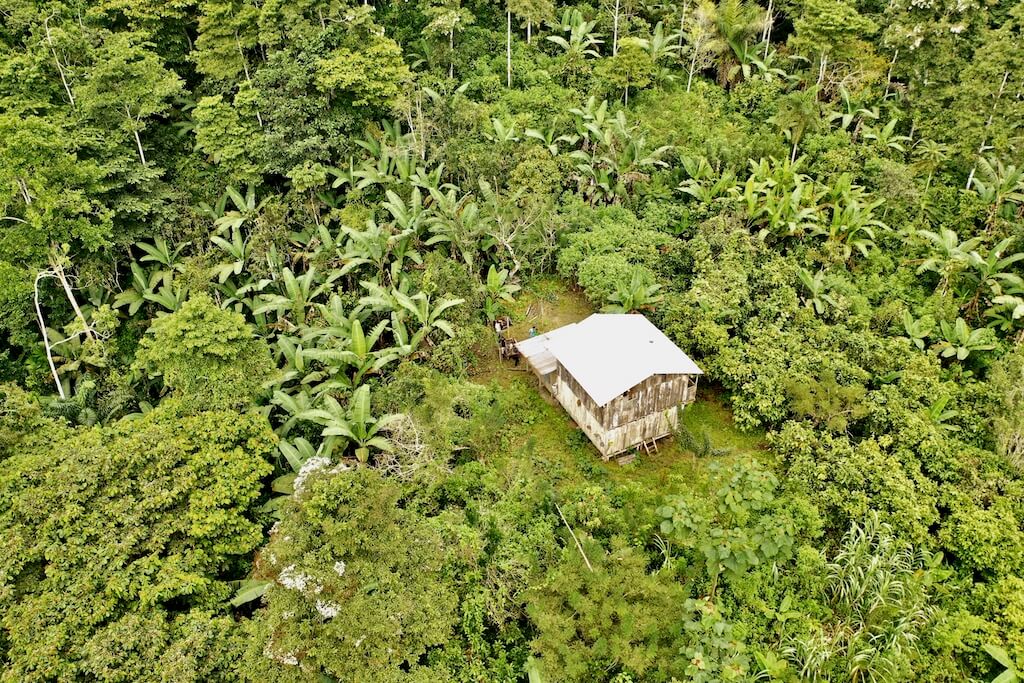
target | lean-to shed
x=617, y=375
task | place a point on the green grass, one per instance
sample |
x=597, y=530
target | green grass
x=552, y=435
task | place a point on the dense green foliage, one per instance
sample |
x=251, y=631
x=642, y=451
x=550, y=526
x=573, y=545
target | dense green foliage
x=250, y=258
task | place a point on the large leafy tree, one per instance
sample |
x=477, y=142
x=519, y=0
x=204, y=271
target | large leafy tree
x=206, y=355
x=127, y=86
x=118, y=542
x=363, y=587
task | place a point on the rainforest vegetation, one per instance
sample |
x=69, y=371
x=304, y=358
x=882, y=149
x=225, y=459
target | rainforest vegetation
x=253, y=426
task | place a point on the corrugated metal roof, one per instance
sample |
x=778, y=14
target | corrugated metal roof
x=610, y=353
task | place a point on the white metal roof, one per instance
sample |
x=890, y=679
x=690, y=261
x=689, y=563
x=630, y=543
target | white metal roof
x=535, y=349
x=609, y=353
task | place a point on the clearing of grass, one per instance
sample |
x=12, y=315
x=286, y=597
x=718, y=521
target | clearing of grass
x=547, y=303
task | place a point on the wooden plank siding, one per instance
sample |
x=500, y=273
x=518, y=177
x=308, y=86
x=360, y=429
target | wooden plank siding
x=645, y=412
x=656, y=394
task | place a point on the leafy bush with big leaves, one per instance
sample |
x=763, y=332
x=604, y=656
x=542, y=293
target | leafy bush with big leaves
x=848, y=478
x=117, y=540
x=606, y=244
x=364, y=588
x=207, y=355
x=606, y=617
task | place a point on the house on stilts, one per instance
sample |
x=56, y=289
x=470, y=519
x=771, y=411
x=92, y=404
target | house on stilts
x=618, y=376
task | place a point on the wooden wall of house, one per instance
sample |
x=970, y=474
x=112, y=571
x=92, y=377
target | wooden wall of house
x=647, y=412
x=656, y=394
x=579, y=393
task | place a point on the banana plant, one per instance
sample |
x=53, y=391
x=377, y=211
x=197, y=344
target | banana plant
x=707, y=188
x=918, y=330
x=291, y=306
x=366, y=247
x=852, y=224
x=501, y=132
x=818, y=296
x=168, y=295
x=159, y=252
x=355, y=425
x=296, y=453
x=1006, y=312
x=886, y=136
x=960, y=341
x=582, y=41
x=949, y=255
x=999, y=185
x=659, y=45
x=550, y=139
x=237, y=250
x=293, y=405
x=457, y=222
x=1009, y=674
x=294, y=361
x=940, y=417
x=247, y=209
x=142, y=284
x=635, y=295
x=496, y=289
x=418, y=308
x=993, y=270
x=359, y=354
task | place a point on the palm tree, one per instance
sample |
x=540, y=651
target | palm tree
x=798, y=112
x=737, y=23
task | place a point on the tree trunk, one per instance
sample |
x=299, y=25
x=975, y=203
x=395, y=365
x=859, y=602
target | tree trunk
x=682, y=23
x=138, y=143
x=25, y=194
x=508, y=48
x=46, y=340
x=615, y=30
x=888, y=74
x=529, y=31
x=693, y=67
x=767, y=35
x=56, y=59
x=451, y=51
x=58, y=271
x=981, y=147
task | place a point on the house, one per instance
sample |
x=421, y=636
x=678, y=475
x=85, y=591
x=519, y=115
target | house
x=618, y=376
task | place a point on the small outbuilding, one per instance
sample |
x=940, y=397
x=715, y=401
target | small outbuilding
x=618, y=376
